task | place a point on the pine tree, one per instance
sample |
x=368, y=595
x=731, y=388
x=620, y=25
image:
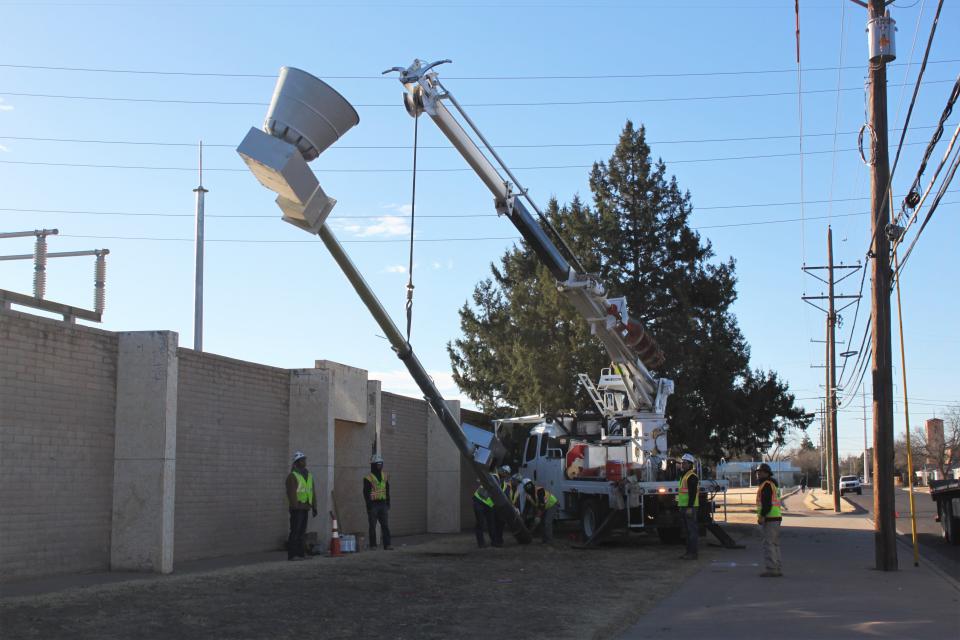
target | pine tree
x=523, y=345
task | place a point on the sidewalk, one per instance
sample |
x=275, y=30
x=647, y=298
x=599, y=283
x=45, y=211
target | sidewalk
x=830, y=589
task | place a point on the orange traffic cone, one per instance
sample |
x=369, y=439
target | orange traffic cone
x=334, y=538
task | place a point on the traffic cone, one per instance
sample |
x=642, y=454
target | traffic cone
x=334, y=538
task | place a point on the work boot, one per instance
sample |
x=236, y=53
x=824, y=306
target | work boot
x=771, y=574
x=387, y=548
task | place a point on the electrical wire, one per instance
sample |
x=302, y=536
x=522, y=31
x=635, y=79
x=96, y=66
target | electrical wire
x=451, y=239
x=378, y=217
x=85, y=165
x=545, y=103
x=439, y=146
x=605, y=76
x=836, y=115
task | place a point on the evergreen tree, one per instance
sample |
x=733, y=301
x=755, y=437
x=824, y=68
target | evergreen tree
x=523, y=344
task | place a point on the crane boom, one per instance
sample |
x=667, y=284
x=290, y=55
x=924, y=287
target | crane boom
x=628, y=344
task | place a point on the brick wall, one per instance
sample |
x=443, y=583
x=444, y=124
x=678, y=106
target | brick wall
x=403, y=433
x=57, y=401
x=232, y=458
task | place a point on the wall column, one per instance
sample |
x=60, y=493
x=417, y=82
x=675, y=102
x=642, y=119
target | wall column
x=443, y=475
x=312, y=431
x=144, y=470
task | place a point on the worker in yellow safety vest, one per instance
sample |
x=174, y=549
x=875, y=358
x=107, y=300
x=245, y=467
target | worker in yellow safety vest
x=484, y=517
x=301, y=499
x=688, y=502
x=769, y=517
x=544, y=504
x=376, y=494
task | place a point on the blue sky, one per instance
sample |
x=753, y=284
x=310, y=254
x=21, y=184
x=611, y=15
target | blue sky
x=273, y=295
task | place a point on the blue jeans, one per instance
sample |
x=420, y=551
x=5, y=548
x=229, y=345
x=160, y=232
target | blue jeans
x=688, y=516
x=378, y=513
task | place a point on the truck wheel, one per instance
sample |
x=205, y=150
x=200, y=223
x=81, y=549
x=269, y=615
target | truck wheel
x=591, y=517
x=669, y=535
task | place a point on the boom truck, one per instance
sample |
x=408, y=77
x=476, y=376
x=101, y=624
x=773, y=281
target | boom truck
x=609, y=466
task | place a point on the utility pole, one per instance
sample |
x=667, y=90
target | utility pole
x=881, y=29
x=198, y=272
x=833, y=459
x=832, y=375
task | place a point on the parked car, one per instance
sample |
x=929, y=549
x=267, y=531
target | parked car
x=850, y=484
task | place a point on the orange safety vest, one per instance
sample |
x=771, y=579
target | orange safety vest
x=774, y=499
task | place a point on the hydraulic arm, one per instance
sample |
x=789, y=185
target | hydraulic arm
x=630, y=347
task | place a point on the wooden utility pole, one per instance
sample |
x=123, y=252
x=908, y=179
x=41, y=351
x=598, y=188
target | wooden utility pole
x=832, y=377
x=881, y=30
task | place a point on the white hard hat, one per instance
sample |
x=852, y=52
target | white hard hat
x=376, y=459
x=687, y=457
x=505, y=469
x=298, y=455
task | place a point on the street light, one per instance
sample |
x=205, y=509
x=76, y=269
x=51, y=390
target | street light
x=306, y=116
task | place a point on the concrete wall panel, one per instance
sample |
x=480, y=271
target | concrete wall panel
x=57, y=396
x=403, y=434
x=232, y=456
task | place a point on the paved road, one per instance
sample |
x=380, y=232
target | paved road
x=830, y=590
x=929, y=533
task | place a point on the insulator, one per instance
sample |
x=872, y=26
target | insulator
x=40, y=267
x=100, y=283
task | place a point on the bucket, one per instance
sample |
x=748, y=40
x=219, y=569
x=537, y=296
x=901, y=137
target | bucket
x=307, y=112
x=348, y=543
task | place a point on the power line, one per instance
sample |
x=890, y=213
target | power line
x=380, y=77
x=403, y=240
x=447, y=216
x=765, y=156
x=546, y=103
x=193, y=145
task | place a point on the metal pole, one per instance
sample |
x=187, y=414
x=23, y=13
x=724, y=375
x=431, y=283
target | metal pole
x=832, y=378
x=198, y=270
x=405, y=352
x=881, y=371
x=866, y=469
x=906, y=416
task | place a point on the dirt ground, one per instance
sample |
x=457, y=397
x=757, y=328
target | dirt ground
x=442, y=588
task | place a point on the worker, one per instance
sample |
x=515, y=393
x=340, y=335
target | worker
x=688, y=501
x=544, y=504
x=376, y=493
x=769, y=518
x=483, y=513
x=503, y=479
x=301, y=498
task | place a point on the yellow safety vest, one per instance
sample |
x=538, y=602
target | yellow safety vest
x=304, y=487
x=378, y=488
x=774, y=499
x=549, y=499
x=683, y=493
x=482, y=496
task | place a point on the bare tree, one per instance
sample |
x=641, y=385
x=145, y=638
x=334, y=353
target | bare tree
x=941, y=453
